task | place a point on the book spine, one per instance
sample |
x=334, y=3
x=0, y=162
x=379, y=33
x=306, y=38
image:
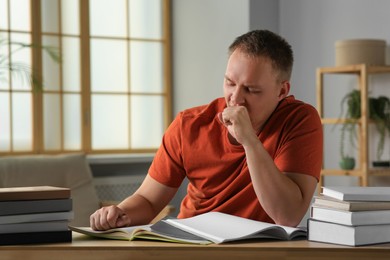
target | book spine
x=36, y=238
x=29, y=227
x=34, y=195
x=38, y=217
x=34, y=206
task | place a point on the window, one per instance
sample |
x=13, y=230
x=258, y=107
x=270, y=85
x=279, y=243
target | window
x=112, y=91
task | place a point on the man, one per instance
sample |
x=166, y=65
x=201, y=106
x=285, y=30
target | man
x=257, y=153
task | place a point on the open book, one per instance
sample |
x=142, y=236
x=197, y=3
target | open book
x=211, y=227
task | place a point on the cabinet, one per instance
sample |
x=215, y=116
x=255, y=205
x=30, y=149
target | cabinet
x=362, y=71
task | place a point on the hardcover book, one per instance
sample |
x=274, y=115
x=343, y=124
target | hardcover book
x=34, y=193
x=355, y=193
x=28, y=227
x=350, y=218
x=17, y=207
x=327, y=232
x=328, y=202
x=37, y=217
x=36, y=237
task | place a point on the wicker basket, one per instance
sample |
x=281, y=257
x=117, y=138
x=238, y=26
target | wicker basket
x=368, y=51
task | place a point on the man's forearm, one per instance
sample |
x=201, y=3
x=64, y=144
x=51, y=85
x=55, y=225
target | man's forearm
x=139, y=209
x=280, y=196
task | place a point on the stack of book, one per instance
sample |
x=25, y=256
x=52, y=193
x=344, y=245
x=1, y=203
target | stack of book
x=352, y=216
x=30, y=215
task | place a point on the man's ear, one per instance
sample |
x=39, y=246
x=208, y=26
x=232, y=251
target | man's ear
x=284, y=90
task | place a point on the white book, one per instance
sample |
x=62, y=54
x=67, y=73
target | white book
x=37, y=217
x=355, y=193
x=328, y=202
x=333, y=233
x=373, y=217
x=211, y=227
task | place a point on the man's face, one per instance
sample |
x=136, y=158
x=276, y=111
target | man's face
x=252, y=82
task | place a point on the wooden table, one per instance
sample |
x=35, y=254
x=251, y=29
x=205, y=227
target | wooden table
x=83, y=247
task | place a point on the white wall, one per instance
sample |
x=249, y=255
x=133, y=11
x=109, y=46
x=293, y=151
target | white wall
x=202, y=32
x=264, y=14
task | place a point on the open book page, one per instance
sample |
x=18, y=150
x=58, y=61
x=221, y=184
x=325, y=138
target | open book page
x=162, y=228
x=125, y=233
x=219, y=228
x=160, y=231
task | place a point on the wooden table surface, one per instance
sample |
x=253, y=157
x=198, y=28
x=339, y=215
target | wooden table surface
x=83, y=247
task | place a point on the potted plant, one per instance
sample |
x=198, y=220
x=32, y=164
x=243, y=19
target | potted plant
x=348, y=129
x=21, y=69
x=379, y=114
x=347, y=161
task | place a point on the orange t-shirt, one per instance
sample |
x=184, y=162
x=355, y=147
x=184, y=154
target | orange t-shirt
x=196, y=146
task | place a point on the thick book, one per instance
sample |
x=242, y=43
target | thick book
x=333, y=233
x=351, y=218
x=36, y=237
x=34, y=193
x=356, y=193
x=211, y=227
x=37, y=217
x=328, y=202
x=28, y=227
x=34, y=206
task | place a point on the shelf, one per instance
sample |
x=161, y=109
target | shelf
x=362, y=71
x=341, y=172
x=335, y=121
x=356, y=172
x=380, y=171
x=355, y=69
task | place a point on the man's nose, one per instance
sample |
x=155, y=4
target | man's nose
x=238, y=97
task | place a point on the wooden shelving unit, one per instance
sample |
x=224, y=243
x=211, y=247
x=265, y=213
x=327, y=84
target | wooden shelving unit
x=362, y=71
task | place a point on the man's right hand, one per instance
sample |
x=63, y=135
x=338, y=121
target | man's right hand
x=109, y=217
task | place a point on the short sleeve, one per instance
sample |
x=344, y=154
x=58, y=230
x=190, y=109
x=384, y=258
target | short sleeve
x=301, y=146
x=167, y=166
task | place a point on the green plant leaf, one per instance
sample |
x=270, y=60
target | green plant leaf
x=22, y=70
x=379, y=112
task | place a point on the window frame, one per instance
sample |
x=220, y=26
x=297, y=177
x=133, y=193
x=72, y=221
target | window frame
x=85, y=78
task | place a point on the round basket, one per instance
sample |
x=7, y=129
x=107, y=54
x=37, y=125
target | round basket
x=367, y=51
